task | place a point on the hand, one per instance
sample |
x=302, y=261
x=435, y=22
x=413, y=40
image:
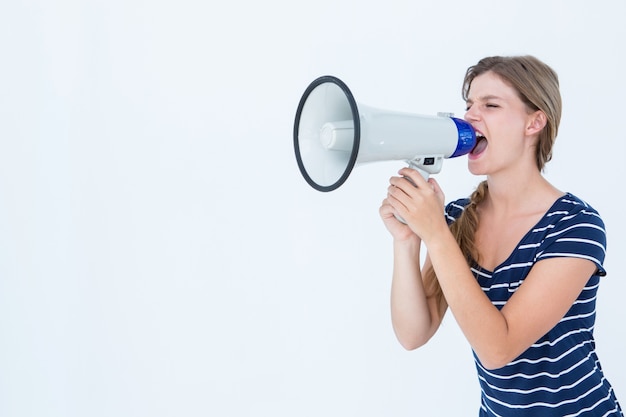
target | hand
x=399, y=231
x=418, y=202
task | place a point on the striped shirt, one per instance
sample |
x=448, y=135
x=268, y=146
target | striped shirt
x=560, y=374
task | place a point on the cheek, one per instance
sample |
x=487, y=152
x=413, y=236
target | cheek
x=515, y=125
x=511, y=133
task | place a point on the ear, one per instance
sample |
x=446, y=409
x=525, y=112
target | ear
x=536, y=122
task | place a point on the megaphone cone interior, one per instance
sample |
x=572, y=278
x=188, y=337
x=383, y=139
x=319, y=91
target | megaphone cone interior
x=326, y=133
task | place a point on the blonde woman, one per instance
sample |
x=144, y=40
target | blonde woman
x=518, y=263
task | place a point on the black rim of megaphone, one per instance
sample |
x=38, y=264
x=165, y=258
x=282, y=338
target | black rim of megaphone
x=357, y=132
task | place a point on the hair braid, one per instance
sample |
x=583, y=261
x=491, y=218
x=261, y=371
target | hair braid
x=463, y=230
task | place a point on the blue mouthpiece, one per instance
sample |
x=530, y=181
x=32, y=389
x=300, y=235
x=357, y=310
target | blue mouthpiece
x=467, y=137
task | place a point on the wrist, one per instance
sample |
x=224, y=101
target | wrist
x=436, y=232
x=441, y=242
x=411, y=243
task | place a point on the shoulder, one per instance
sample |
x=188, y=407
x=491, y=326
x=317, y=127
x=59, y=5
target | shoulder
x=570, y=210
x=572, y=227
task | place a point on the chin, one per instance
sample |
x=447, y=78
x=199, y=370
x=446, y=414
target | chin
x=475, y=168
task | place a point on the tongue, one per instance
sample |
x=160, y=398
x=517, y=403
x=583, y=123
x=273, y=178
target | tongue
x=480, y=146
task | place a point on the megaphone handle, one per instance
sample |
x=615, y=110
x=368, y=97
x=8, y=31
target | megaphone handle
x=424, y=174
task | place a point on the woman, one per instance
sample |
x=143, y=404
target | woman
x=518, y=263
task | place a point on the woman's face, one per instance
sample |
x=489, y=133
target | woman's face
x=500, y=119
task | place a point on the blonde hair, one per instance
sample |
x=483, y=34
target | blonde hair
x=538, y=87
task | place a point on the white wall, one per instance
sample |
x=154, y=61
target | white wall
x=160, y=254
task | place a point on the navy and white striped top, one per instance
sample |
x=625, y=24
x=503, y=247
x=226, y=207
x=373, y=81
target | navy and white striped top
x=560, y=374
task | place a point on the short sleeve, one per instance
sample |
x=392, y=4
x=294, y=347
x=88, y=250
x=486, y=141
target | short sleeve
x=454, y=209
x=578, y=235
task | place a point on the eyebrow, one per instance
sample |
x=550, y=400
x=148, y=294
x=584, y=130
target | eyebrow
x=485, y=98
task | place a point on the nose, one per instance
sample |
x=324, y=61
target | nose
x=471, y=115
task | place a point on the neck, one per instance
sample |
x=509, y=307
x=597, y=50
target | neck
x=520, y=193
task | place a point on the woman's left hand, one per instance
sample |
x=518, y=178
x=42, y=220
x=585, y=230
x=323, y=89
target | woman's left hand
x=418, y=202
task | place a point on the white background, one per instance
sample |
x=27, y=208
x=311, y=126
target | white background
x=160, y=253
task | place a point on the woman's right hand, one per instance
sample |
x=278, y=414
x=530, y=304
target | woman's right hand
x=399, y=231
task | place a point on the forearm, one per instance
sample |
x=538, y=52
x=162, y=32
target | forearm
x=411, y=315
x=484, y=326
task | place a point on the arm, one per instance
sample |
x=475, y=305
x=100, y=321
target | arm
x=415, y=316
x=497, y=336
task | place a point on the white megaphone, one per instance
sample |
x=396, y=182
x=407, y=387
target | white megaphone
x=332, y=134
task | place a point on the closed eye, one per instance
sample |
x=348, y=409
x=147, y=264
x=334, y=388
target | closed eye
x=469, y=104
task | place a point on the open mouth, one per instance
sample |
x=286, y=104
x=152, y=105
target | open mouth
x=481, y=143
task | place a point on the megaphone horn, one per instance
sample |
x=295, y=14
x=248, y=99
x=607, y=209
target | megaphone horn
x=332, y=134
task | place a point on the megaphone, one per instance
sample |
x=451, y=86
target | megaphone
x=332, y=134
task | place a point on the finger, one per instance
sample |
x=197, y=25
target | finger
x=406, y=184
x=397, y=196
x=386, y=211
x=434, y=185
x=414, y=175
x=436, y=188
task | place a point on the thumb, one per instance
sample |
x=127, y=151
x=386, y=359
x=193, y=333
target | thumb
x=436, y=188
